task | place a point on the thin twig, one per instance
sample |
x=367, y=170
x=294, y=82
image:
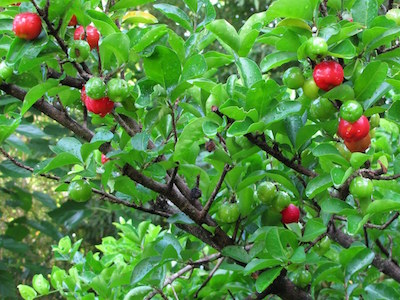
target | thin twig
x=188, y=268
x=209, y=276
x=105, y=196
x=210, y=201
x=385, y=225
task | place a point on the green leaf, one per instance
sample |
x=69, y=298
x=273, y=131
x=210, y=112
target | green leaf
x=358, y=159
x=274, y=244
x=314, y=228
x=7, y=127
x=282, y=111
x=371, y=79
x=248, y=71
x=381, y=291
x=192, y=4
x=334, y=206
x=176, y=14
x=150, y=37
x=301, y=9
x=299, y=256
x=163, y=66
x=226, y=33
x=114, y=45
x=266, y=278
x=187, y=147
x=62, y=159
x=277, y=59
x=342, y=92
x=35, y=93
x=70, y=145
x=360, y=261
x=260, y=95
x=143, y=268
x=383, y=205
x=364, y=11
x=21, y=48
x=194, y=67
x=237, y=253
x=345, y=50
x=386, y=37
x=128, y=4
x=103, y=23
x=318, y=185
x=140, y=141
x=260, y=264
x=26, y=292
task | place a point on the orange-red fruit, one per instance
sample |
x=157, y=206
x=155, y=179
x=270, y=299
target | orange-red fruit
x=91, y=35
x=73, y=21
x=99, y=107
x=290, y=214
x=359, y=146
x=104, y=159
x=352, y=132
x=328, y=74
x=27, y=25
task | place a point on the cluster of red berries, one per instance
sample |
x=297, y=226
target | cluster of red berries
x=353, y=126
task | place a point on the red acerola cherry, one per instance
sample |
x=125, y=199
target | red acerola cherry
x=27, y=25
x=328, y=74
x=104, y=159
x=73, y=21
x=353, y=132
x=92, y=36
x=290, y=214
x=359, y=146
x=99, y=107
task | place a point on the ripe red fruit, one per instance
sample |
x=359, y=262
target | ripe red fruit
x=104, y=159
x=73, y=21
x=359, y=146
x=99, y=107
x=353, y=132
x=328, y=74
x=27, y=25
x=92, y=36
x=290, y=214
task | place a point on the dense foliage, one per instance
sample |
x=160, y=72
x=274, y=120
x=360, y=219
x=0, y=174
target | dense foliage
x=226, y=170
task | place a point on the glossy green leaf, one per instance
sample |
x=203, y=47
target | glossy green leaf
x=266, y=278
x=163, y=66
x=176, y=14
x=226, y=33
x=237, y=253
x=318, y=185
x=277, y=59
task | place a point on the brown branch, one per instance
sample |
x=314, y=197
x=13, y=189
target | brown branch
x=386, y=266
x=385, y=225
x=314, y=242
x=279, y=156
x=68, y=80
x=323, y=9
x=190, y=266
x=385, y=50
x=105, y=196
x=210, y=201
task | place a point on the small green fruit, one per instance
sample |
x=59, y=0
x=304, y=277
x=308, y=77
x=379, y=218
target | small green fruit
x=267, y=192
x=361, y=188
x=95, y=88
x=5, y=70
x=79, y=191
x=117, y=90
